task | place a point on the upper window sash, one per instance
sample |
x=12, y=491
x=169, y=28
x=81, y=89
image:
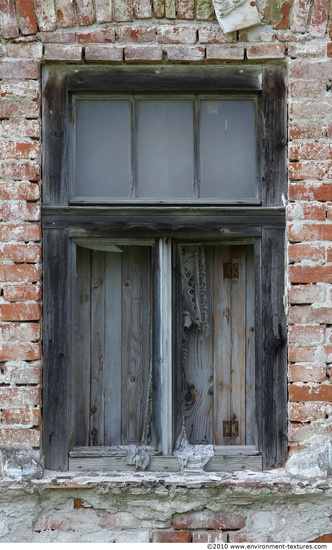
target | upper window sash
x=165, y=149
x=61, y=83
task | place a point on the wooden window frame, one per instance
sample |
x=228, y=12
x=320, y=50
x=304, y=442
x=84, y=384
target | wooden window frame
x=64, y=222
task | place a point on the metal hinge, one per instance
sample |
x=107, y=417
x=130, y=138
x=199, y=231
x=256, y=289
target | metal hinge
x=231, y=271
x=230, y=428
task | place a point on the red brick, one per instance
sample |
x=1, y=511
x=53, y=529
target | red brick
x=177, y=35
x=225, y=52
x=310, y=274
x=16, y=191
x=19, y=150
x=302, y=68
x=186, y=9
x=300, y=15
x=21, y=128
x=103, y=11
x=20, y=211
x=170, y=536
x=329, y=254
x=24, y=332
x=308, y=314
x=310, y=191
x=306, y=294
x=137, y=33
x=299, y=252
x=27, y=107
x=306, y=334
x=319, y=110
x=20, y=312
x=205, y=11
x=102, y=35
x=306, y=412
x=214, y=35
x=59, y=37
x=310, y=150
x=20, y=372
x=103, y=53
x=24, y=273
x=21, y=293
x=9, y=24
x=19, y=396
x=310, y=232
x=142, y=9
x=33, y=50
x=323, y=538
x=122, y=11
x=307, y=373
x=20, y=253
x=308, y=170
x=319, y=17
x=20, y=89
x=25, y=437
x=328, y=354
x=308, y=88
x=143, y=53
x=85, y=12
x=329, y=49
x=19, y=69
x=280, y=17
x=257, y=34
x=209, y=536
x=307, y=50
x=16, y=170
x=61, y=52
x=301, y=353
x=20, y=352
x=301, y=432
x=266, y=51
x=45, y=14
x=26, y=16
x=306, y=392
x=245, y=538
x=65, y=13
x=185, y=53
x=307, y=211
x=20, y=232
x=207, y=519
x=158, y=8
x=21, y=416
x=307, y=129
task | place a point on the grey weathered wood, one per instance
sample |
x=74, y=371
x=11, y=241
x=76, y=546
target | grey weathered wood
x=97, y=336
x=83, y=345
x=57, y=394
x=251, y=357
x=113, y=348
x=274, y=343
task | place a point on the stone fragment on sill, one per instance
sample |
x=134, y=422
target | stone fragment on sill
x=20, y=463
x=234, y=15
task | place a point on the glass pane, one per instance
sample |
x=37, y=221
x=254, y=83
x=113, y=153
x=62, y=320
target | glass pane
x=228, y=149
x=103, y=148
x=165, y=149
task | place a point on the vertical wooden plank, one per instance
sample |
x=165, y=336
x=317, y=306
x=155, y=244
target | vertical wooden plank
x=113, y=348
x=198, y=375
x=97, y=336
x=251, y=426
x=222, y=344
x=274, y=345
x=132, y=331
x=238, y=343
x=82, y=345
x=147, y=363
x=57, y=389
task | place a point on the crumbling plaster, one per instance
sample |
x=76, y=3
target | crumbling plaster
x=126, y=507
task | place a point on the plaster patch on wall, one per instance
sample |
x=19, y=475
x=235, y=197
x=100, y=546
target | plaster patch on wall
x=313, y=462
x=233, y=15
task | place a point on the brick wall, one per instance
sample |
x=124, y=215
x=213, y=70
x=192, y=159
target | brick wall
x=292, y=32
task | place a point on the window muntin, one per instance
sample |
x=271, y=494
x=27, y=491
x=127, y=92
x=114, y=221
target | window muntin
x=122, y=148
